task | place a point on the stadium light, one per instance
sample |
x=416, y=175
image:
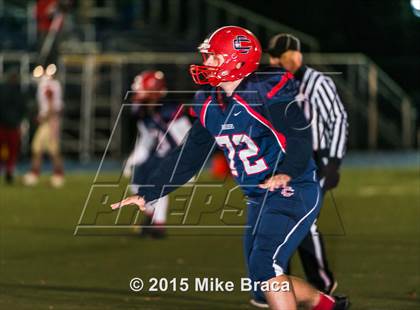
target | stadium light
x=415, y=5
x=38, y=71
x=51, y=70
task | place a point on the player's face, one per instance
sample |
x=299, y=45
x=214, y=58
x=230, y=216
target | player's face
x=213, y=60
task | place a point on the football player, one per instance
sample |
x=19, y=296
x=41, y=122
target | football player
x=12, y=111
x=47, y=135
x=161, y=127
x=265, y=138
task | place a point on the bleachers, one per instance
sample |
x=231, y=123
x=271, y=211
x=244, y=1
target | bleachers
x=96, y=68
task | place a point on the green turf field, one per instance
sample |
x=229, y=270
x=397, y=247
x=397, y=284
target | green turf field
x=373, y=239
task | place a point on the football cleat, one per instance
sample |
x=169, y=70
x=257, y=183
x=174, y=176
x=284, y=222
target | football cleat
x=9, y=178
x=341, y=302
x=152, y=230
x=57, y=180
x=30, y=179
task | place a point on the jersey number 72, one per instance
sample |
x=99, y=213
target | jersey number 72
x=230, y=142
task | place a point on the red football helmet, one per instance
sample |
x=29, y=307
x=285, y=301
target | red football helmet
x=241, y=53
x=148, y=86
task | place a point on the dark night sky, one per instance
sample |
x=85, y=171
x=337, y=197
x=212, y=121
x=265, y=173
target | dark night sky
x=385, y=30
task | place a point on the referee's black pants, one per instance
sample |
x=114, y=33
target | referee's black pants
x=313, y=257
x=314, y=261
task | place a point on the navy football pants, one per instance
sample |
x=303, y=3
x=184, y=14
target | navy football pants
x=276, y=226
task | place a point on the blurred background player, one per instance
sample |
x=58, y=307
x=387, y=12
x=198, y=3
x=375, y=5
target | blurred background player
x=161, y=127
x=322, y=106
x=12, y=110
x=47, y=135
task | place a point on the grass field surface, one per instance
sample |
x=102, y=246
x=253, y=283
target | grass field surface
x=371, y=225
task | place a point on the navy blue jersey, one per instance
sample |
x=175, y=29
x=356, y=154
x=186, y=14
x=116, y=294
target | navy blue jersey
x=242, y=126
x=260, y=129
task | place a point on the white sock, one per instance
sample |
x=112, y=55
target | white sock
x=161, y=207
x=150, y=209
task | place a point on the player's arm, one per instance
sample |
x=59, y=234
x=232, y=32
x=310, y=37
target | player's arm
x=176, y=169
x=289, y=120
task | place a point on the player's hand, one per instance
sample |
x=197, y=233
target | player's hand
x=132, y=200
x=275, y=182
x=331, y=175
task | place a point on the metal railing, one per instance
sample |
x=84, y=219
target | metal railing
x=376, y=96
x=381, y=114
x=195, y=19
x=262, y=26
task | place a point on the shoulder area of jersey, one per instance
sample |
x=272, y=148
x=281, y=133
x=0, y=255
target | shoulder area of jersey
x=269, y=73
x=275, y=82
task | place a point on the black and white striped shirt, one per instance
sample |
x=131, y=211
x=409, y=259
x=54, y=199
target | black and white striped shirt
x=322, y=106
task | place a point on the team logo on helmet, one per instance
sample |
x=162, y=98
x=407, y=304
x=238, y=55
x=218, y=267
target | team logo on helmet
x=242, y=44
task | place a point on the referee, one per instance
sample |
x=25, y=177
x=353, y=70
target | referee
x=322, y=106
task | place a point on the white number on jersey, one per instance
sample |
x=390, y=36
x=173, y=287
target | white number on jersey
x=244, y=155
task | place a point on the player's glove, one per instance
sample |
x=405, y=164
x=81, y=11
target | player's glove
x=330, y=173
